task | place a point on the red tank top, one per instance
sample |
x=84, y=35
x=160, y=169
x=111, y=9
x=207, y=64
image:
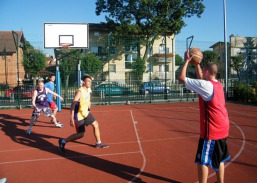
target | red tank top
x=214, y=122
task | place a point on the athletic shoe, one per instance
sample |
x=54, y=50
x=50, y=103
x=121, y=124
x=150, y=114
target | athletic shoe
x=61, y=146
x=56, y=121
x=3, y=180
x=28, y=132
x=58, y=125
x=101, y=145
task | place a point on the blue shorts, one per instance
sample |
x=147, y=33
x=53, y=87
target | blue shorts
x=212, y=152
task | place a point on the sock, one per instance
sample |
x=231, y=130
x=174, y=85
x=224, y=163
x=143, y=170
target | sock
x=63, y=141
x=98, y=142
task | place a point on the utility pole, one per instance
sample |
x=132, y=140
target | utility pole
x=16, y=42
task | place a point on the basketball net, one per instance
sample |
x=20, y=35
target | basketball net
x=65, y=47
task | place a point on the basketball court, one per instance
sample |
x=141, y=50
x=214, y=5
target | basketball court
x=148, y=143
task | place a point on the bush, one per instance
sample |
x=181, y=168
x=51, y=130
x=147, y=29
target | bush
x=253, y=95
x=245, y=93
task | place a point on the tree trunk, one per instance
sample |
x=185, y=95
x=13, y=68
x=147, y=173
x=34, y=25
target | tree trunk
x=66, y=87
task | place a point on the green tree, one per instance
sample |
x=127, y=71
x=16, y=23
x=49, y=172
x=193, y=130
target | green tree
x=209, y=56
x=179, y=60
x=91, y=64
x=238, y=64
x=33, y=61
x=146, y=20
x=138, y=68
x=68, y=66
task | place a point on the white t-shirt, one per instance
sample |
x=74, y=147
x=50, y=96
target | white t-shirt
x=202, y=87
x=89, y=90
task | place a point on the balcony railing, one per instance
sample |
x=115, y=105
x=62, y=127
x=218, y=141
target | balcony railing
x=160, y=57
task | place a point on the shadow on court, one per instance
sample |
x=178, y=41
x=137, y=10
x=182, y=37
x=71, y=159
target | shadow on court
x=9, y=125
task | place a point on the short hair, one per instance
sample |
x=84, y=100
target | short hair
x=40, y=81
x=86, y=76
x=211, y=67
x=51, y=75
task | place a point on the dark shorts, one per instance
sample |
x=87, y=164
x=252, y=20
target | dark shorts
x=80, y=125
x=212, y=152
x=46, y=110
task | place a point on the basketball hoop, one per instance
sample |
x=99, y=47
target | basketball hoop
x=65, y=47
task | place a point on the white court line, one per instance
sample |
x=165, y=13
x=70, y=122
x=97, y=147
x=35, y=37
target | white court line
x=115, y=143
x=141, y=149
x=68, y=157
x=238, y=112
x=239, y=152
x=106, y=111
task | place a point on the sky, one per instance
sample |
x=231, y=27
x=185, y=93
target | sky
x=30, y=16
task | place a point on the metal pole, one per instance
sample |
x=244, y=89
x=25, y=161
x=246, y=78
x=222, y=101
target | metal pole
x=109, y=56
x=16, y=42
x=150, y=67
x=226, y=50
x=165, y=85
x=173, y=61
x=79, y=74
x=109, y=66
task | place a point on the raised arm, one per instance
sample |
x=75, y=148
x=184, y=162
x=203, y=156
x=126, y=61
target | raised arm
x=53, y=93
x=199, y=72
x=182, y=75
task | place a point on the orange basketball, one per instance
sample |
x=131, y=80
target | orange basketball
x=197, y=55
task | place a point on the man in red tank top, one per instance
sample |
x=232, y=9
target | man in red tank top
x=214, y=122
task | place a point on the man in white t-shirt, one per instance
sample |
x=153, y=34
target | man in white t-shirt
x=214, y=123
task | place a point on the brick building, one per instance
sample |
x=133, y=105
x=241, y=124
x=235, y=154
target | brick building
x=11, y=68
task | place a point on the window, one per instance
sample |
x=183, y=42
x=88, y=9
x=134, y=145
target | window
x=131, y=48
x=150, y=67
x=129, y=58
x=112, y=67
x=162, y=49
x=127, y=47
x=249, y=56
x=161, y=68
x=134, y=47
x=96, y=34
x=97, y=50
x=167, y=68
x=112, y=51
x=94, y=49
x=100, y=50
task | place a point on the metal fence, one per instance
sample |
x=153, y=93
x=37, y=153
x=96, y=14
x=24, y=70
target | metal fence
x=103, y=94
x=21, y=97
x=114, y=92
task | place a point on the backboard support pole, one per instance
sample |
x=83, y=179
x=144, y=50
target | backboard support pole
x=62, y=54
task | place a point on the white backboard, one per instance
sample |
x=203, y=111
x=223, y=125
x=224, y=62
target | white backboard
x=75, y=34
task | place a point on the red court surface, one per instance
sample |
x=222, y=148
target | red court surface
x=148, y=143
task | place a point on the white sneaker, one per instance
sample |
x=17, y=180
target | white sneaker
x=3, y=180
x=59, y=125
x=28, y=133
